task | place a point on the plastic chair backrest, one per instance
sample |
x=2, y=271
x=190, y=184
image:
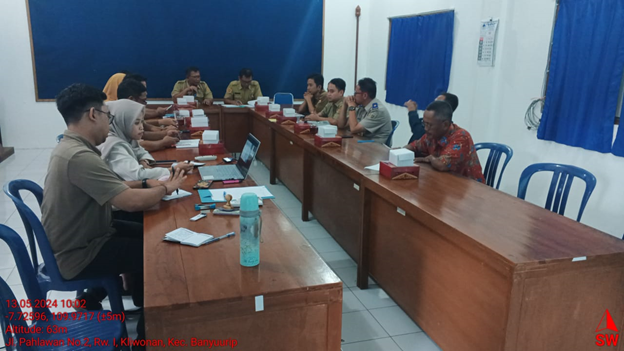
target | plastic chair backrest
x=75, y=324
x=560, y=185
x=395, y=125
x=491, y=166
x=12, y=189
x=33, y=225
x=284, y=99
x=27, y=275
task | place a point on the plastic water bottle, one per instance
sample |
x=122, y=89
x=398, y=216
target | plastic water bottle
x=250, y=229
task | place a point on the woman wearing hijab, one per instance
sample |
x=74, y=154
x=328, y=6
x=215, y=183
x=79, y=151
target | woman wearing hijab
x=110, y=89
x=121, y=150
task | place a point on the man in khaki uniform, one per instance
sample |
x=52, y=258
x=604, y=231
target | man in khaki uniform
x=315, y=98
x=243, y=90
x=366, y=115
x=193, y=85
x=335, y=99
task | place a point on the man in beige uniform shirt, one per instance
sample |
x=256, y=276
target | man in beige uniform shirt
x=243, y=90
x=365, y=114
x=335, y=99
x=79, y=193
x=193, y=85
x=315, y=98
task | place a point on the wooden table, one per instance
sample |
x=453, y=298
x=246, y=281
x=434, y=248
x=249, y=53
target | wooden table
x=205, y=293
x=476, y=268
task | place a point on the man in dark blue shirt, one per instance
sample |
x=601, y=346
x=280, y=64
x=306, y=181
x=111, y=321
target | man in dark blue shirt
x=418, y=130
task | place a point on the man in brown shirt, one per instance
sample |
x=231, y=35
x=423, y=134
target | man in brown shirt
x=79, y=192
x=315, y=98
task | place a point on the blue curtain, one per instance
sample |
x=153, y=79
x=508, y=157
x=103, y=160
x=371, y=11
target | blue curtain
x=586, y=65
x=419, y=58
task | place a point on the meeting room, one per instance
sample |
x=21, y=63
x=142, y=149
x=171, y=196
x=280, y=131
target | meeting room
x=311, y=175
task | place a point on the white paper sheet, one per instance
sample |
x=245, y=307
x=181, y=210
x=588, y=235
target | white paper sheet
x=261, y=191
x=187, y=144
x=182, y=193
x=373, y=167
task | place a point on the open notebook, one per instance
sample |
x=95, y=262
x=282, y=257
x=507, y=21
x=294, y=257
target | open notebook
x=187, y=237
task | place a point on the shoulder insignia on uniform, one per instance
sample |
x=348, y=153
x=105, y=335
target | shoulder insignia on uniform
x=229, y=90
x=375, y=105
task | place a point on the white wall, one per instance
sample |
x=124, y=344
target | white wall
x=492, y=100
x=24, y=122
x=339, y=40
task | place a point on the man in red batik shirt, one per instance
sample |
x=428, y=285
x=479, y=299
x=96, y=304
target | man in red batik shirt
x=446, y=146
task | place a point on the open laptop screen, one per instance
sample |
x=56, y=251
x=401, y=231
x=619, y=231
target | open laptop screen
x=248, y=155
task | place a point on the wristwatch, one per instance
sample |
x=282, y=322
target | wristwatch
x=351, y=108
x=144, y=183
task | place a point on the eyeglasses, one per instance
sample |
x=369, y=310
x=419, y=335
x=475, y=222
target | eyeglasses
x=427, y=125
x=111, y=116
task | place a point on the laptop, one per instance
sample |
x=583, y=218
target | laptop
x=236, y=171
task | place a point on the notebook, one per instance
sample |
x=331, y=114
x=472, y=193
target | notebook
x=187, y=237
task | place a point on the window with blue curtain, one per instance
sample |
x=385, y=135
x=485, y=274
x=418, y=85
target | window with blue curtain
x=587, y=60
x=419, y=57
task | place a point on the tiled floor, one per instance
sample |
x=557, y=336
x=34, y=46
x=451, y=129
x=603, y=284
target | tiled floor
x=371, y=321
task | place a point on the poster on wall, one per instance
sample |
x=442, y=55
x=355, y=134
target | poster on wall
x=487, y=43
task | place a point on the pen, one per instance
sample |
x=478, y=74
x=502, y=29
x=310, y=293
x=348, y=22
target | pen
x=366, y=141
x=177, y=190
x=169, y=108
x=221, y=237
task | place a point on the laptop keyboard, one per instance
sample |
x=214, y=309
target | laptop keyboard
x=225, y=172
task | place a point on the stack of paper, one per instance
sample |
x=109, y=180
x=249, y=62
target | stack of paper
x=199, y=122
x=187, y=237
x=187, y=144
x=210, y=196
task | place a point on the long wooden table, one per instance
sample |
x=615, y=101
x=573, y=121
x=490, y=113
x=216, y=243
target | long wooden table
x=476, y=268
x=205, y=293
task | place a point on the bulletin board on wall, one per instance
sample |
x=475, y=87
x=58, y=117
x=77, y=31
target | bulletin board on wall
x=77, y=41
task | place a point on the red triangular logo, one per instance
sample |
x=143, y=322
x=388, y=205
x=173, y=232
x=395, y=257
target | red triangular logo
x=607, y=321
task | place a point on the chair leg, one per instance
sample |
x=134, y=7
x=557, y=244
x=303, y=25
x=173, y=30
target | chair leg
x=113, y=290
x=114, y=295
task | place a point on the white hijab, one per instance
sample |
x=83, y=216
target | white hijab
x=125, y=112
